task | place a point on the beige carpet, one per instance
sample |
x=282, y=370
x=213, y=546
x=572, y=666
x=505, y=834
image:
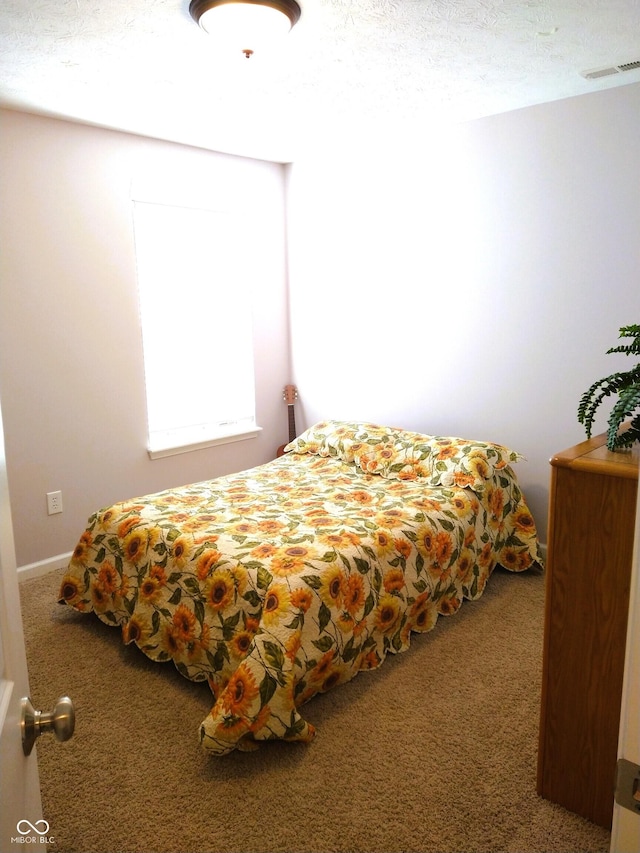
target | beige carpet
x=435, y=751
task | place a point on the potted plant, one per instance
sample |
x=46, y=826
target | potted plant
x=627, y=386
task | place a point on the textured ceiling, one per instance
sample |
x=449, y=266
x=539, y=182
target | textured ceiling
x=350, y=71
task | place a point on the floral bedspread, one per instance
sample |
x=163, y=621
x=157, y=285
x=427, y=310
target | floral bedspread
x=286, y=580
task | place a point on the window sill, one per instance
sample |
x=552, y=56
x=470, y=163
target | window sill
x=160, y=451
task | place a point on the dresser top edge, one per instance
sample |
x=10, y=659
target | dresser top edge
x=593, y=456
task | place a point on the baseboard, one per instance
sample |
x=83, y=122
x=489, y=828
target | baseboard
x=43, y=567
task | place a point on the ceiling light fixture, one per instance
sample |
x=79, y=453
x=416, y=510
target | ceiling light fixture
x=246, y=24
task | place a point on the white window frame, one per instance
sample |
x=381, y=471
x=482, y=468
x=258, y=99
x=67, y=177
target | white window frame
x=234, y=426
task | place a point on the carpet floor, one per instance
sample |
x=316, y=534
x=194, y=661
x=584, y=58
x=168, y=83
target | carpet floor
x=435, y=751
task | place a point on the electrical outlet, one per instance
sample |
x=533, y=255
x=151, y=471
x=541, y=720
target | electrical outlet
x=54, y=502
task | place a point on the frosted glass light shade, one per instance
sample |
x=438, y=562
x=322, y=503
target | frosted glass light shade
x=245, y=25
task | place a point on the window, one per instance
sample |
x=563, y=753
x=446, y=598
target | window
x=195, y=309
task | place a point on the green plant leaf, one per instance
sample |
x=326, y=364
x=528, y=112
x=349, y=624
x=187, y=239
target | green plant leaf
x=626, y=384
x=628, y=402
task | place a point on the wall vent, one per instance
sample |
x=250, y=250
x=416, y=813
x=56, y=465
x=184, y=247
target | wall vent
x=596, y=73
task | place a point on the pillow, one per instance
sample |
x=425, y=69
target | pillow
x=448, y=461
x=345, y=440
x=404, y=455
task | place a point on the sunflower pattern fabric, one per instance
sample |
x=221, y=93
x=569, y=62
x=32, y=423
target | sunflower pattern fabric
x=400, y=454
x=283, y=581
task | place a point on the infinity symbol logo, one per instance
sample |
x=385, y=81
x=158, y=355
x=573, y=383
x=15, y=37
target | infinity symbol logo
x=32, y=828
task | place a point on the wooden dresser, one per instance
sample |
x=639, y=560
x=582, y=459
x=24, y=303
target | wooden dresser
x=590, y=548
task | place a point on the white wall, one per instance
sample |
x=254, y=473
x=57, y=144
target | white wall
x=71, y=369
x=465, y=282
x=470, y=281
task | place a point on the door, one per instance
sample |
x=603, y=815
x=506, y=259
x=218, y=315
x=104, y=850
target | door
x=625, y=832
x=21, y=821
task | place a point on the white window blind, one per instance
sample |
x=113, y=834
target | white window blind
x=196, y=326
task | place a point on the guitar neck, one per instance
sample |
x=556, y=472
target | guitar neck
x=292, y=422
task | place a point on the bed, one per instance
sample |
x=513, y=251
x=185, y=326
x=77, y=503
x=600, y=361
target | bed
x=286, y=580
